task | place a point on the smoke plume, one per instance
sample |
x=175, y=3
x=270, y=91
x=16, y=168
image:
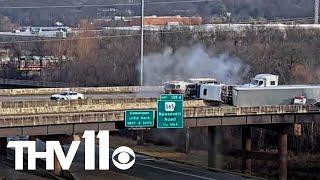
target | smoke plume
x=192, y=62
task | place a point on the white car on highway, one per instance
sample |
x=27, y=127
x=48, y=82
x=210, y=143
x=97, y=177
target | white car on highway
x=70, y=95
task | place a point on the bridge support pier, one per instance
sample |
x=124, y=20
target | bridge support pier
x=282, y=154
x=57, y=166
x=3, y=146
x=63, y=139
x=140, y=137
x=214, y=145
x=246, y=147
x=187, y=145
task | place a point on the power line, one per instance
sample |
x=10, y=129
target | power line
x=104, y=5
x=297, y=19
x=47, y=39
x=292, y=19
x=94, y=37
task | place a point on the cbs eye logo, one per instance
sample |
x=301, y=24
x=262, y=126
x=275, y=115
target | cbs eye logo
x=123, y=158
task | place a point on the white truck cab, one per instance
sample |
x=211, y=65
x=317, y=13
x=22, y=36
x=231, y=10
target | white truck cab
x=263, y=80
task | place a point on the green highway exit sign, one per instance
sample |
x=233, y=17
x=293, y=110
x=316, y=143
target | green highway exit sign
x=177, y=97
x=170, y=111
x=139, y=118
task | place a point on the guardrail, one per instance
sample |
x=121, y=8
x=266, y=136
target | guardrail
x=247, y=111
x=52, y=103
x=85, y=90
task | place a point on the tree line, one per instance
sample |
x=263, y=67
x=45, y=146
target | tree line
x=293, y=54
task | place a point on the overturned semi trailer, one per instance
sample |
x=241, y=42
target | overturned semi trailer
x=216, y=94
x=278, y=95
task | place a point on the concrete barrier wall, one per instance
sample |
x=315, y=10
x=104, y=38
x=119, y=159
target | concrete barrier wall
x=88, y=107
x=49, y=103
x=86, y=90
x=88, y=102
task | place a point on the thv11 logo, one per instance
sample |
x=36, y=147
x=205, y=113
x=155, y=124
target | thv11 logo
x=123, y=157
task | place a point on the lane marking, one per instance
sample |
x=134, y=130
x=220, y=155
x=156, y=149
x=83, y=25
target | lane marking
x=176, y=164
x=177, y=172
x=150, y=159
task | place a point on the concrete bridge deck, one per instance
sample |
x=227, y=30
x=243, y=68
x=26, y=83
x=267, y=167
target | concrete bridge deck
x=43, y=119
x=60, y=118
x=110, y=117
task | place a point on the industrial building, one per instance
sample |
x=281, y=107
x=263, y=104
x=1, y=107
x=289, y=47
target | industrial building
x=149, y=21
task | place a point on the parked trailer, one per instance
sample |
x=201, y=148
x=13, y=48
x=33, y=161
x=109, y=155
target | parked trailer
x=276, y=95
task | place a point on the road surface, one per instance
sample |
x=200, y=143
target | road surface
x=147, y=167
x=89, y=96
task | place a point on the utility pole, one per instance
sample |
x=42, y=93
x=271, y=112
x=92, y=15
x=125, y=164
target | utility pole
x=316, y=11
x=141, y=48
x=140, y=133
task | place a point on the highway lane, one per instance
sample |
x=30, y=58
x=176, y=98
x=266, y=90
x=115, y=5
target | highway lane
x=10, y=173
x=151, y=168
x=89, y=96
x=147, y=167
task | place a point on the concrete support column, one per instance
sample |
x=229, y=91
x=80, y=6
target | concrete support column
x=3, y=146
x=246, y=147
x=140, y=137
x=63, y=139
x=32, y=138
x=57, y=166
x=214, y=155
x=312, y=137
x=282, y=154
x=187, y=148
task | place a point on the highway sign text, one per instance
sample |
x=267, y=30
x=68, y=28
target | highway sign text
x=170, y=111
x=139, y=118
x=175, y=97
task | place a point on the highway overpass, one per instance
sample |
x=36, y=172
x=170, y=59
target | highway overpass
x=38, y=117
x=45, y=118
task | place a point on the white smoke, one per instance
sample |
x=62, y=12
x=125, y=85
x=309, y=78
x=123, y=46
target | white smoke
x=192, y=62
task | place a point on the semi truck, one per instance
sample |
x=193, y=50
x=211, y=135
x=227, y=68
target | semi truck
x=188, y=88
x=263, y=89
x=175, y=87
